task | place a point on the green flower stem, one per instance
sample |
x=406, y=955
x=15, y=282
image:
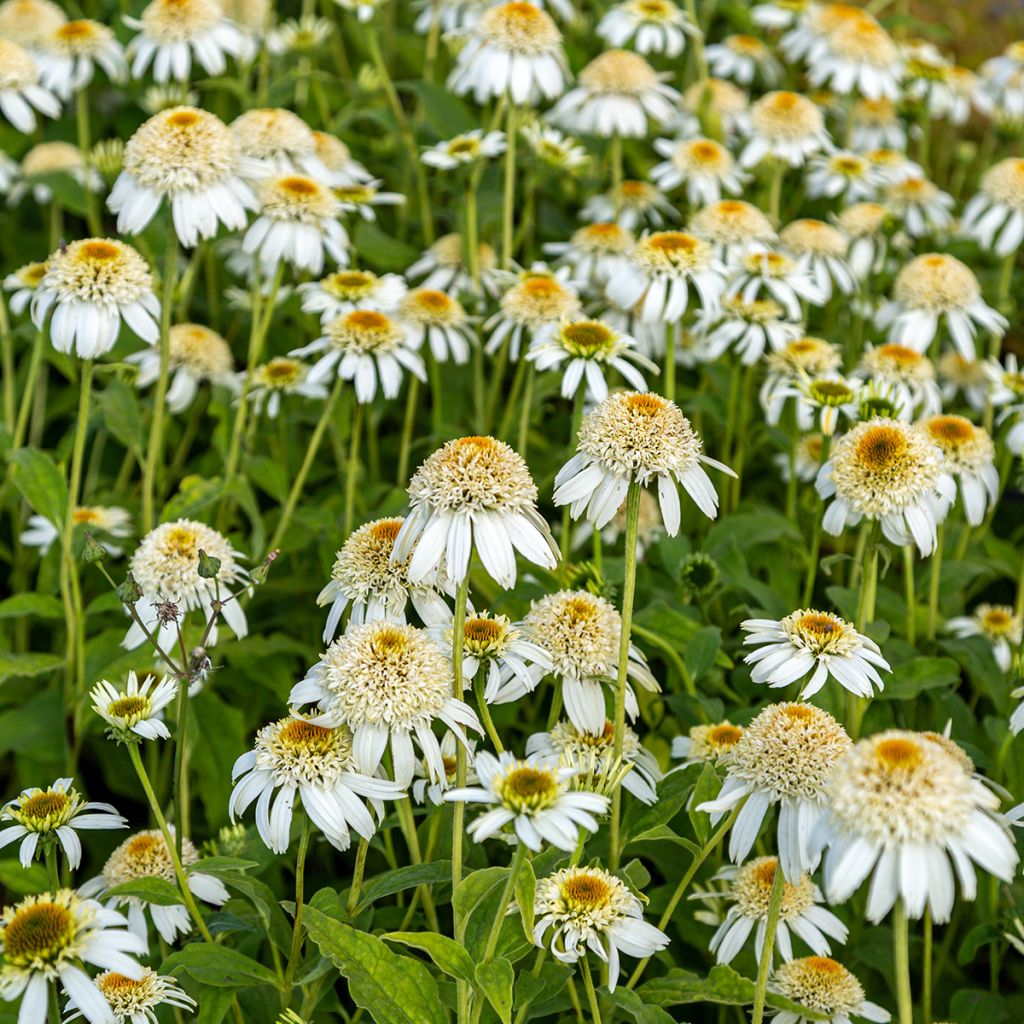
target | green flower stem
x=901, y=963
x=671, y=333
x=436, y=394
x=778, y=173
x=407, y=823
x=479, y=684
x=154, y=453
x=628, y=593
x=357, y=877
x=926, y=966
x=352, y=470
x=52, y=866
x=743, y=421
x=509, y=196
x=764, y=965
x=7, y=365
x=697, y=43
x=300, y=885
x=709, y=847
x=588, y=984
x=935, y=582
x=523, y=436
x=507, y=895
x=577, y=419
x=28, y=390
x=1018, y=604
x=615, y=161
x=910, y=593
x=459, y=808
x=671, y=655
x=819, y=510
x=408, y=422
x=92, y=210
x=869, y=580
x=511, y=398
x=181, y=751
x=307, y=464
x=404, y=130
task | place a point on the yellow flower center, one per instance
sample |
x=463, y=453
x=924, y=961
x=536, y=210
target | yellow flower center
x=482, y=632
x=307, y=737
x=881, y=447
x=584, y=891
x=126, y=707
x=298, y=186
x=40, y=932
x=386, y=530
x=529, y=789
x=898, y=754
x=44, y=805
x=96, y=251
x=724, y=737
x=951, y=430
x=645, y=405
x=388, y=642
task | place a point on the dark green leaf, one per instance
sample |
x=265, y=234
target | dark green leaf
x=448, y=954
x=495, y=981
x=219, y=966
x=150, y=890
x=40, y=482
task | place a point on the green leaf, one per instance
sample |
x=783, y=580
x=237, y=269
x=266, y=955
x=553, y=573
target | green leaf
x=673, y=791
x=404, y=878
x=28, y=665
x=974, y=654
x=119, y=406
x=222, y=866
x=974, y=1006
x=383, y=251
x=913, y=677
x=702, y=651
x=40, y=482
x=269, y=911
x=495, y=981
x=446, y=953
x=219, y=966
x=150, y=890
x=526, y=894
x=637, y=1010
x=40, y=606
x=393, y=989
x=23, y=881
x=707, y=787
x=445, y=114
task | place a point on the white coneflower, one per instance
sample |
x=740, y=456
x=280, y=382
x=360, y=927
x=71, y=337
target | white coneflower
x=998, y=624
x=959, y=93
x=276, y=141
x=280, y=376
x=367, y=347
x=136, y=710
x=704, y=166
x=581, y=633
x=618, y=92
x=806, y=459
x=332, y=160
x=864, y=226
x=808, y=38
x=876, y=124
x=145, y=855
x=743, y=58
x=589, y=349
x=189, y=158
x=443, y=267
x=473, y=493
x=750, y=890
x=636, y=437
x=25, y=22
x=649, y=527
x=733, y=226
x=859, y=56
x=47, y=938
x=22, y=284
x=969, y=455
x=767, y=274
x=171, y=33
x=592, y=755
x=135, y=1001
x=558, y=150
x=823, y=401
x=587, y=908
x=21, y=93
x=531, y=795
x=111, y=520
x=513, y=51
x=52, y=816
x=713, y=99
x=747, y=327
x=363, y=197
x=785, y=126
x=346, y=290
x=824, y=987
x=789, y=649
x=91, y=286
x=804, y=358
x=464, y=150
x=388, y=683
x=538, y=299
x=921, y=205
x=365, y=578
x=901, y=808
x=298, y=223
x=69, y=54
x=505, y=651
x=893, y=165
x=439, y=320
x=966, y=377
x=786, y=756
x=995, y=216
x=595, y=253
x=936, y=288
x=166, y=568
x=44, y=160
x=662, y=269
x=891, y=472
x=295, y=758
x=196, y=354
x=904, y=375
x=706, y=743
x=633, y=204
x=653, y=26
x=843, y=174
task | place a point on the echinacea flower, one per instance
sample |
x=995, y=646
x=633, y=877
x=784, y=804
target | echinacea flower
x=333, y=160
x=652, y=26
x=443, y=266
x=531, y=795
x=995, y=216
x=26, y=22
x=876, y=124
x=69, y=54
x=768, y=274
x=296, y=758
x=803, y=358
x=704, y=166
x=824, y=248
x=581, y=634
x=22, y=283
x=464, y=150
x=90, y=286
x=999, y=624
x=135, y=711
x=590, y=909
x=134, y=1001
x=21, y=93
x=715, y=98
x=642, y=438
x=349, y=289
x=864, y=225
x=47, y=938
x=595, y=253
x=34, y=175
x=903, y=810
x=190, y=159
x=825, y=987
x=280, y=376
x=706, y=743
x=905, y=376
x=166, y=568
x=786, y=757
x=475, y=493
x=859, y=56
x=743, y=58
x=109, y=520
x=276, y=141
x=366, y=579
x=440, y=321
x=969, y=454
x=800, y=913
x=805, y=640
x=537, y=299
x=733, y=227
x=145, y=855
x=53, y=815
x=748, y=328
x=632, y=204
x=388, y=683
x=785, y=126
x=891, y=472
x=922, y=207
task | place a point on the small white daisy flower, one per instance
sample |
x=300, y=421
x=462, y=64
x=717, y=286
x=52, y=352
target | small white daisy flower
x=443, y=267
x=905, y=376
x=969, y=455
x=713, y=98
x=27, y=21
x=743, y=58
x=595, y=253
x=346, y=290
x=652, y=26
x=137, y=709
x=438, y=320
x=876, y=124
x=825, y=987
x=633, y=204
x=135, y=1001
x=69, y=55
x=789, y=280
x=733, y=227
x=556, y=149
x=747, y=327
x=280, y=376
x=275, y=141
x=995, y=216
x=464, y=150
x=425, y=788
x=850, y=176
x=859, y=56
x=706, y=743
x=47, y=159
x=922, y=207
x=704, y=166
x=785, y=126
x=21, y=285
x=864, y=226
x=968, y=378
x=998, y=624
x=538, y=299
x=21, y=93
x=111, y=520
x=363, y=197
